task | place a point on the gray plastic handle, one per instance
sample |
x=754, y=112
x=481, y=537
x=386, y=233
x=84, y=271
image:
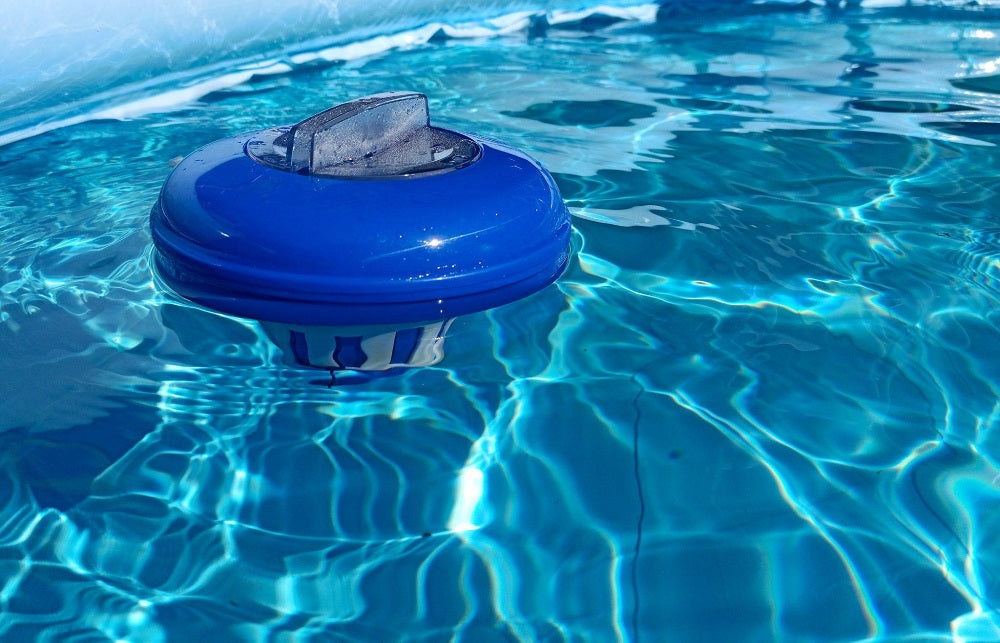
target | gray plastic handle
x=386, y=134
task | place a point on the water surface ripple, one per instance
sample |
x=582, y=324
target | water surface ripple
x=762, y=404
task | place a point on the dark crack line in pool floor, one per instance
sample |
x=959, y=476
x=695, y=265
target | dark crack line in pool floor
x=642, y=509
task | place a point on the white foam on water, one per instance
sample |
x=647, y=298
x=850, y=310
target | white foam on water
x=208, y=82
x=161, y=102
x=641, y=13
x=151, y=95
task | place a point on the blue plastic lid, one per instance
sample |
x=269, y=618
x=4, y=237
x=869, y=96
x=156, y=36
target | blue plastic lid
x=363, y=214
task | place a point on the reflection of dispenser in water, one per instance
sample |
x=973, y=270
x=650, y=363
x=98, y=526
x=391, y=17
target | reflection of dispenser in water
x=358, y=234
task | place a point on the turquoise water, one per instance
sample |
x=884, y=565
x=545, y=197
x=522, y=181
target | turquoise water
x=762, y=404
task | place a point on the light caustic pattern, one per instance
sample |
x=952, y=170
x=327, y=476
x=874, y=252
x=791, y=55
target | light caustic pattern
x=762, y=404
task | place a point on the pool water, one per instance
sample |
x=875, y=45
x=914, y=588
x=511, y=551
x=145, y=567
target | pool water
x=763, y=403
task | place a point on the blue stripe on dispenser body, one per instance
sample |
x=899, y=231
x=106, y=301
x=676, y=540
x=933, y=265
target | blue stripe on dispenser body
x=300, y=347
x=405, y=345
x=348, y=352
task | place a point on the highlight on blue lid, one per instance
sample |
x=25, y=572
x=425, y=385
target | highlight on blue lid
x=357, y=234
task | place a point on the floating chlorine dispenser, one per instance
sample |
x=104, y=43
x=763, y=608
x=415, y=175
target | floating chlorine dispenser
x=358, y=234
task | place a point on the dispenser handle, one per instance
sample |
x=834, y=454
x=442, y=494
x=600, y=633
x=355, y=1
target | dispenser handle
x=354, y=131
x=381, y=136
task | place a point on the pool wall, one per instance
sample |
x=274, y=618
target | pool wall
x=66, y=62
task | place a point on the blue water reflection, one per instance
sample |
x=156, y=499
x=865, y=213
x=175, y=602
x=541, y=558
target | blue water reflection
x=760, y=405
